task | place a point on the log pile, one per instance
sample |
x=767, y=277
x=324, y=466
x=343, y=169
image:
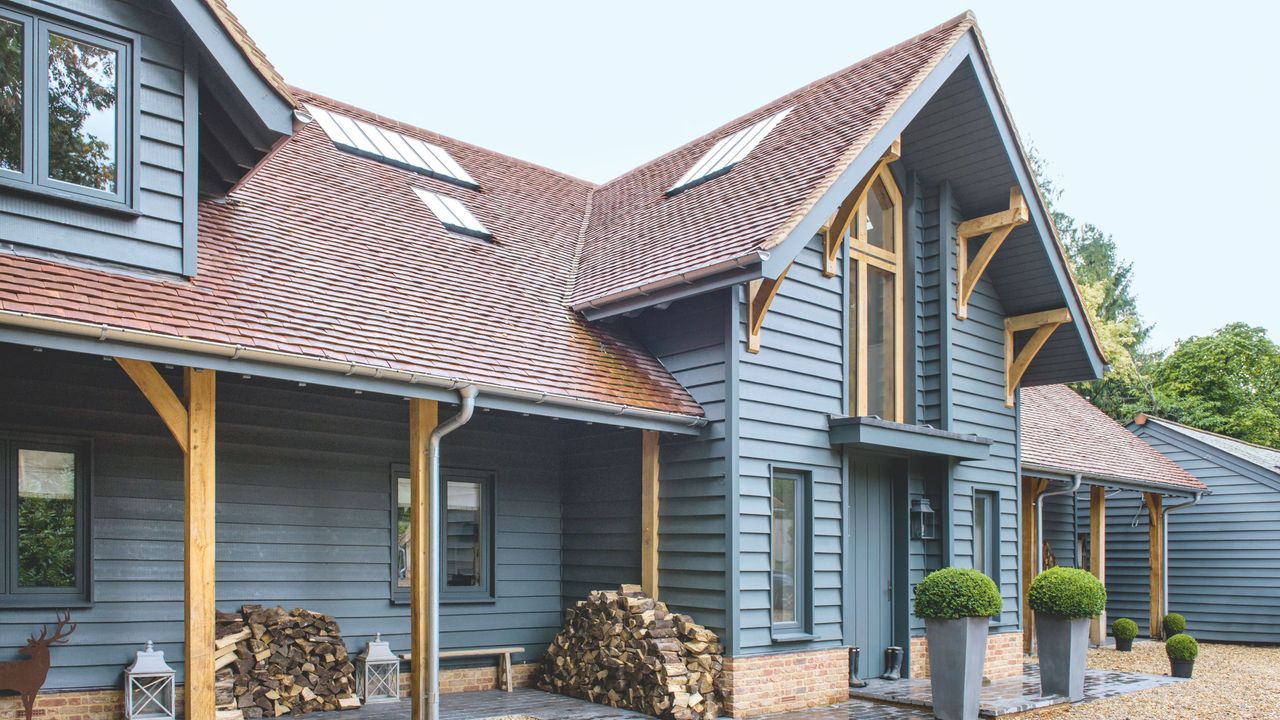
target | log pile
x=627, y=650
x=272, y=662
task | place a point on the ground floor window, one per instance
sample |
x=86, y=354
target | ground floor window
x=986, y=533
x=43, y=521
x=466, y=535
x=789, y=528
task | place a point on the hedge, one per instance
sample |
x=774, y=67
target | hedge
x=1124, y=629
x=1068, y=592
x=953, y=593
x=1182, y=648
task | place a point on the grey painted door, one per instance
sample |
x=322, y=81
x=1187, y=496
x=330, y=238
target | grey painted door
x=871, y=557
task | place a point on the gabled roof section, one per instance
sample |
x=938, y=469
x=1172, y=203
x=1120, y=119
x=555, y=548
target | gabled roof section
x=250, y=49
x=1262, y=456
x=639, y=237
x=1063, y=432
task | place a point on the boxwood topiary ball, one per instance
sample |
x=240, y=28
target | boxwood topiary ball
x=1068, y=592
x=1174, y=624
x=954, y=593
x=1182, y=648
x=1124, y=629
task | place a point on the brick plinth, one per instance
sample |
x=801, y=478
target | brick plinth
x=472, y=679
x=780, y=682
x=1004, y=656
x=73, y=705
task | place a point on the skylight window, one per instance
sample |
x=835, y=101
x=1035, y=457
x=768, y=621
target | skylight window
x=453, y=214
x=726, y=153
x=391, y=147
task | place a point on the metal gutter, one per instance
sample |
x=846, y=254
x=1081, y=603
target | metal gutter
x=1164, y=547
x=230, y=353
x=756, y=257
x=1075, y=485
x=1115, y=481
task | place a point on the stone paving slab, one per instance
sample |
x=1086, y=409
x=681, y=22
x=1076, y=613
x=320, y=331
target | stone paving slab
x=520, y=704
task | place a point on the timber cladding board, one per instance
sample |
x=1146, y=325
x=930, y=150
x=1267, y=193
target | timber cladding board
x=303, y=512
x=155, y=238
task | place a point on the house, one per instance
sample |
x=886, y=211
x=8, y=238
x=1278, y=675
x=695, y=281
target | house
x=1222, y=552
x=1096, y=497
x=255, y=340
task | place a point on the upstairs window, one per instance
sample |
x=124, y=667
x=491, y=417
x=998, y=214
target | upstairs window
x=394, y=148
x=875, y=299
x=453, y=215
x=726, y=153
x=65, y=102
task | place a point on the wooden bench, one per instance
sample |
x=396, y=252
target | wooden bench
x=504, y=660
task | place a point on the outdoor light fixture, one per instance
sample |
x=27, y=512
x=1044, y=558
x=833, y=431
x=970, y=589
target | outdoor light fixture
x=149, y=687
x=923, y=523
x=378, y=673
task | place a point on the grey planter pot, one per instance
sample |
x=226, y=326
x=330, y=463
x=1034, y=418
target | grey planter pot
x=957, y=650
x=1062, y=646
x=1181, y=669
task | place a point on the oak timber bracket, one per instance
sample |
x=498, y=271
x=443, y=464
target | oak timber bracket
x=1043, y=323
x=834, y=231
x=760, y=294
x=996, y=227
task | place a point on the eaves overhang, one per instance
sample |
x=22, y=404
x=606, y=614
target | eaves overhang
x=1111, y=481
x=873, y=434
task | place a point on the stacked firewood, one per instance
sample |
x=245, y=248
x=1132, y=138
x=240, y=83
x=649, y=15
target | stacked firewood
x=626, y=650
x=272, y=662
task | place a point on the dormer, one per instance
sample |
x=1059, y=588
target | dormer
x=114, y=123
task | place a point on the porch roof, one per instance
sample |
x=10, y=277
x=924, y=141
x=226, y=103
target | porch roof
x=874, y=434
x=1063, y=434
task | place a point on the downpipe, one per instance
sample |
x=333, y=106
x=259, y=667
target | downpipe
x=1164, y=548
x=1075, y=485
x=466, y=410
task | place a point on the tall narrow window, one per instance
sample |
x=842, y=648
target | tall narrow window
x=875, y=296
x=13, y=86
x=789, y=529
x=466, y=534
x=986, y=533
x=44, y=521
x=82, y=119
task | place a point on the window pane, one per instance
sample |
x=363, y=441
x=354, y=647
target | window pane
x=880, y=217
x=980, y=512
x=11, y=75
x=402, y=532
x=881, y=364
x=82, y=113
x=46, y=519
x=785, y=549
x=464, y=562
x=854, y=309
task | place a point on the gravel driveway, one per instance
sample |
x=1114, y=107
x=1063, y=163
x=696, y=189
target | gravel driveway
x=1231, y=681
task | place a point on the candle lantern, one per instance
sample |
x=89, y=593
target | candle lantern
x=923, y=523
x=378, y=673
x=149, y=693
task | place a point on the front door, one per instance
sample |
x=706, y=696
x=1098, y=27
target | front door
x=871, y=557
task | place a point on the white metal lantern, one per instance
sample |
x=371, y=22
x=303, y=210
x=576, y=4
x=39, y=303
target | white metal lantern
x=378, y=674
x=149, y=687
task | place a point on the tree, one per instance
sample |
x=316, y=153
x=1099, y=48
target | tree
x=1227, y=382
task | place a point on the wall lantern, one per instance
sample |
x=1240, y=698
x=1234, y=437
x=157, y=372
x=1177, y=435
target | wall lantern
x=378, y=674
x=149, y=687
x=923, y=521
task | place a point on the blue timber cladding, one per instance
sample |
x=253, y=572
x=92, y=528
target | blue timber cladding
x=1128, y=556
x=601, y=510
x=1060, y=515
x=303, y=512
x=694, y=564
x=787, y=391
x=1224, y=554
x=163, y=126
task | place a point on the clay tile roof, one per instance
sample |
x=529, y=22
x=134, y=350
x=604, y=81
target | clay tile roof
x=1063, y=431
x=638, y=236
x=326, y=254
x=250, y=49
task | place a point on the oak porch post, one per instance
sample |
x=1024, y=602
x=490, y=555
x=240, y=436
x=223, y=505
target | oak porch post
x=422, y=591
x=1031, y=489
x=199, y=582
x=1098, y=554
x=649, y=464
x=1155, y=546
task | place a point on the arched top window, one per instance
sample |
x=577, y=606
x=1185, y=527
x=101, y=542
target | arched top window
x=875, y=301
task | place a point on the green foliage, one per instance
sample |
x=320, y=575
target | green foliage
x=953, y=593
x=10, y=96
x=1124, y=629
x=1182, y=648
x=1068, y=592
x=1227, y=383
x=46, y=542
x=1174, y=624
x=82, y=90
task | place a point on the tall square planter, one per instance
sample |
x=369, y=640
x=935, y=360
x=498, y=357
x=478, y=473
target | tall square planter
x=1063, y=646
x=957, y=650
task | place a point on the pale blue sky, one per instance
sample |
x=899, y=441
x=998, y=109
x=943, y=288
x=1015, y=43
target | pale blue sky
x=1159, y=120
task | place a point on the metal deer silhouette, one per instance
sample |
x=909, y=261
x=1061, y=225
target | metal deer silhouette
x=26, y=677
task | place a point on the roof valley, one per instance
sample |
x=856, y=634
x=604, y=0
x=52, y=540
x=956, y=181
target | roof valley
x=575, y=262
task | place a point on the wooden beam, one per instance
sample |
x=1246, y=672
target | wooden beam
x=162, y=398
x=1015, y=366
x=422, y=421
x=997, y=227
x=834, y=231
x=199, y=580
x=1098, y=554
x=649, y=486
x=1031, y=490
x=1155, y=550
x=760, y=295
